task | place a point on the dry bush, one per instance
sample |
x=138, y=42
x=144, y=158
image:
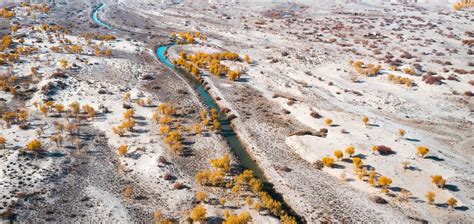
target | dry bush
x=469, y=43
x=168, y=176
x=128, y=192
x=318, y=164
x=315, y=115
x=433, y=80
x=453, y=78
x=400, y=80
x=384, y=150
x=461, y=71
x=163, y=160
x=178, y=186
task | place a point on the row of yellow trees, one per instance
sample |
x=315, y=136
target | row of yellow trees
x=218, y=176
x=363, y=69
x=376, y=180
x=400, y=80
x=9, y=14
x=74, y=111
x=187, y=37
x=462, y=4
x=5, y=13
x=212, y=62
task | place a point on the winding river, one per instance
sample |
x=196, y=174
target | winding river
x=227, y=131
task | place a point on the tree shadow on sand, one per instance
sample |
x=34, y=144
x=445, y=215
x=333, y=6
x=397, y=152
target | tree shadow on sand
x=361, y=156
x=338, y=166
x=413, y=168
x=412, y=139
x=461, y=208
x=395, y=189
x=435, y=158
x=214, y=220
x=451, y=187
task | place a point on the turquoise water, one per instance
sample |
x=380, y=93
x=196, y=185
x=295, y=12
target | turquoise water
x=95, y=16
x=160, y=53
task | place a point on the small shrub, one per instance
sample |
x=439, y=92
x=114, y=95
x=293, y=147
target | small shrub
x=384, y=150
x=430, y=196
x=384, y=181
x=402, y=132
x=315, y=114
x=122, y=150
x=3, y=141
x=34, y=145
x=433, y=80
x=178, y=186
x=128, y=192
x=406, y=165
x=318, y=164
x=168, y=176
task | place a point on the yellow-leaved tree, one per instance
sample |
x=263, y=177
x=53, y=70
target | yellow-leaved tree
x=201, y=196
x=241, y=218
x=350, y=150
x=3, y=141
x=328, y=121
x=365, y=119
x=430, y=196
x=452, y=202
x=328, y=161
x=247, y=58
x=338, y=154
x=422, y=151
x=222, y=164
x=198, y=214
x=34, y=145
x=384, y=182
x=438, y=180
x=122, y=150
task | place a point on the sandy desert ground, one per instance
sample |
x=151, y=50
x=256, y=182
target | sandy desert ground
x=353, y=111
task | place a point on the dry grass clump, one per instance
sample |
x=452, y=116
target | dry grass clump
x=368, y=70
x=433, y=79
x=401, y=80
x=384, y=150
